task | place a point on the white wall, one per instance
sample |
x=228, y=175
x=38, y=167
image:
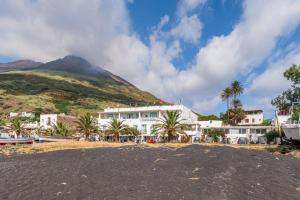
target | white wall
x=210, y=124
x=48, y=120
x=258, y=119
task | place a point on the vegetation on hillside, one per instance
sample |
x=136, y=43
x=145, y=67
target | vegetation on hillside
x=58, y=91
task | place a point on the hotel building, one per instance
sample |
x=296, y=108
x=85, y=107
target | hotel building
x=144, y=118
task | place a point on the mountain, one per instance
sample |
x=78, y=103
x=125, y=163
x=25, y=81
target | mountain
x=19, y=64
x=75, y=64
x=71, y=85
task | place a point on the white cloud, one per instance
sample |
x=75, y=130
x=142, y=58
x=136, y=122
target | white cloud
x=186, y=6
x=271, y=82
x=188, y=29
x=45, y=30
x=100, y=31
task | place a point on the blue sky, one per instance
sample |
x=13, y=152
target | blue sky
x=185, y=50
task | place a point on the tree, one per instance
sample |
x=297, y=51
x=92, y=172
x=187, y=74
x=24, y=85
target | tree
x=171, y=125
x=61, y=129
x=285, y=100
x=236, y=115
x=131, y=131
x=236, y=103
x=266, y=122
x=207, y=117
x=116, y=127
x=236, y=88
x=86, y=124
x=225, y=96
x=215, y=134
x=16, y=125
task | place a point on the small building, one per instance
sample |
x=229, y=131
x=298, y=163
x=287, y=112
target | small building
x=13, y=114
x=21, y=114
x=253, y=117
x=49, y=120
x=145, y=118
x=255, y=134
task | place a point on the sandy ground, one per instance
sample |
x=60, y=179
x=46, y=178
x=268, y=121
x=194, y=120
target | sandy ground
x=140, y=172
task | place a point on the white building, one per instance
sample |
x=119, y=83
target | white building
x=22, y=114
x=254, y=134
x=48, y=120
x=253, y=117
x=281, y=117
x=144, y=118
x=210, y=124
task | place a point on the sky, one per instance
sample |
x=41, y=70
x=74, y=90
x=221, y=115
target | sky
x=184, y=51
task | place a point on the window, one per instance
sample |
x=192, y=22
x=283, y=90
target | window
x=110, y=116
x=252, y=131
x=246, y=120
x=153, y=115
x=242, y=131
x=253, y=120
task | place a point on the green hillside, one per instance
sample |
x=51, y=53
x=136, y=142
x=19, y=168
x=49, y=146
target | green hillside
x=48, y=91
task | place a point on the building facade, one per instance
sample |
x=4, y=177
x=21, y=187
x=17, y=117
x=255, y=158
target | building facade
x=253, y=117
x=145, y=118
x=48, y=120
x=210, y=124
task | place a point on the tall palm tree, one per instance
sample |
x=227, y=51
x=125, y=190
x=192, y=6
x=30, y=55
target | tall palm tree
x=225, y=95
x=171, y=125
x=116, y=127
x=131, y=131
x=86, y=124
x=17, y=126
x=236, y=88
x=236, y=103
x=61, y=129
x=237, y=115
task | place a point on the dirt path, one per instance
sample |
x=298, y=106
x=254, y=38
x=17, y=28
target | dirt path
x=193, y=172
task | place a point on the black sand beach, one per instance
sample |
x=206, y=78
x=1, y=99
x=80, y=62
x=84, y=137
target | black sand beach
x=193, y=172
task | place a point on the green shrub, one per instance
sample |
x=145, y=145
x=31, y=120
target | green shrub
x=215, y=134
x=285, y=149
x=271, y=136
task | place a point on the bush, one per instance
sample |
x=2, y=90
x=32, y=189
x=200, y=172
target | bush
x=271, y=136
x=215, y=134
x=285, y=149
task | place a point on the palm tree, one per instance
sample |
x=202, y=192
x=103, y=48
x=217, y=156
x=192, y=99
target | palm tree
x=171, y=125
x=16, y=125
x=61, y=129
x=238, y=114
x=131, y=131
x=236, y=103
x=116, y=127
x=236, y=88
x=86, y=124
x=225, y=95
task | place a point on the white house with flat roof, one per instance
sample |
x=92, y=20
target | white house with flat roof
x=144, y=118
